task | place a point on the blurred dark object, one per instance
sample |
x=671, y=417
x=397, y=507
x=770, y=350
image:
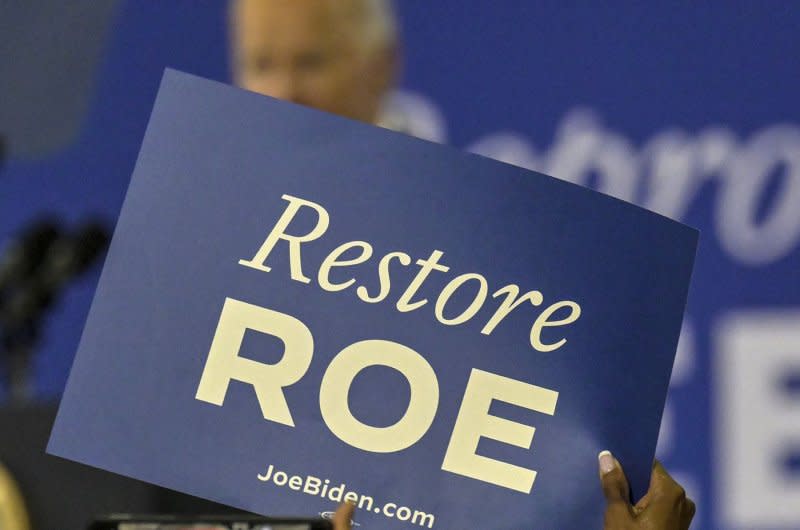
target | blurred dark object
x=66, y=256
x=24, y=255
x=49, y=50
x=207, y=522
x=34, y=270
x=64, y=495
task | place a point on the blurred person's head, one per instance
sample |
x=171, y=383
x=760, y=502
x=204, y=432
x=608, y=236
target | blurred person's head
x=334, y=55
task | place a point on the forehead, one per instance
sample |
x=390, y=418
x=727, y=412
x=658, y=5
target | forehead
x=292, y=23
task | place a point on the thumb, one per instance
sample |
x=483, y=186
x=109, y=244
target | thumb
x=342, y=519
x=615, y=485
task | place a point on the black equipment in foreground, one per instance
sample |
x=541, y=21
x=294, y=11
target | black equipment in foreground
x=206, y=522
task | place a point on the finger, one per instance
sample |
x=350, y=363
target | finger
x=612, y=478
x=691, y=509
x=342, y=519
x=642, y=504
x=618, y=515
x=616, y=491
x=662, y=484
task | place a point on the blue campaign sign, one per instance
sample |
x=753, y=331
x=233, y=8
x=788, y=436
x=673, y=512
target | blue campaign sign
x=297, y=309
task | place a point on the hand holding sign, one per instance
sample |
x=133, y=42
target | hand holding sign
x=343, y=518
x=664, y=507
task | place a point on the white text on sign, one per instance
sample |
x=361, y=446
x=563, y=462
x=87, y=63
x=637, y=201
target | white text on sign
x=406, y=301
x=224, y=364
x=472, y=423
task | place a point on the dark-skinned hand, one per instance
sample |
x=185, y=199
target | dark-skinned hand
x=664, y=506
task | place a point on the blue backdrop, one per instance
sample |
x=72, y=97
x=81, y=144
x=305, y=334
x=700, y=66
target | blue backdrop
x=690, y=110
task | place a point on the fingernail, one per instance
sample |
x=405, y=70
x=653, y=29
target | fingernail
x=606, y=461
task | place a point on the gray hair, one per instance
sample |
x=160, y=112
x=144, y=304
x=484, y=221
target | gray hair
x=378, y=21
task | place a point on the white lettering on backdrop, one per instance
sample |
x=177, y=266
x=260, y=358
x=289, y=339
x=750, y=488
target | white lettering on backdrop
x=664, y=174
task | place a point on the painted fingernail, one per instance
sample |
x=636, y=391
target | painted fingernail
x=606, y=461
